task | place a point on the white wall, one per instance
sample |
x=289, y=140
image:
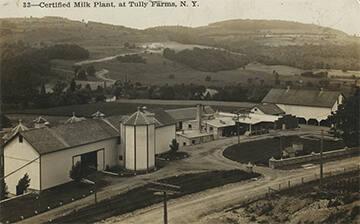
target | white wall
x=55, y=167
x=217, y=132
x=194, y=125
x=163, y=137
x=16, y=155
x=318, y=113
x=129, y=147
x=144, y=144
x=141, y=148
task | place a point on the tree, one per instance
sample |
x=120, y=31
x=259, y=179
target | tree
x=174, y=147
x=77, y=172
x=23, y=184
x=42, y=89
x=82, y=75
x=59, y=87
x=72, y=85
x=91, y=70
x=3, y=190
x=345, y=122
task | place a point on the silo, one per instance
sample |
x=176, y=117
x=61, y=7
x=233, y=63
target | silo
x=138, y=139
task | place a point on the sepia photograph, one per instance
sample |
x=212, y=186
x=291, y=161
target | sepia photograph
x=180, y=111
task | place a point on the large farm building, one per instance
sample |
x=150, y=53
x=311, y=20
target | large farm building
x=47, y=153
x=309, y=106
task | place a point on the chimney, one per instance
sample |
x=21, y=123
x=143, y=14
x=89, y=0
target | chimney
x=199, y=116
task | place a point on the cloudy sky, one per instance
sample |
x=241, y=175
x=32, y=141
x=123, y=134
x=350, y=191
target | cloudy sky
x=339, y=14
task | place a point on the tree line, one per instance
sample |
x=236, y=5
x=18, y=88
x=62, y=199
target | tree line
x=24, y=69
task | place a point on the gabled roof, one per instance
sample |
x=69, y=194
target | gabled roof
x=139, y=118
x=162, y=118
x=15, y=130
x=316, y=98
x=269, y=108
x=47, y=140
x=188, y=113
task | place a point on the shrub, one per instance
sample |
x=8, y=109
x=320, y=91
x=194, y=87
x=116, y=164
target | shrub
x=23, y=184
x=4, y=190
x=77, y=172
x=174, y=147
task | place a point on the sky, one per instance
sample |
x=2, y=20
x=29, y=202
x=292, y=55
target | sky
x=339, y=14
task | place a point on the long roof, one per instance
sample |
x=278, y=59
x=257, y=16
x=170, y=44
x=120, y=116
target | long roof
x=51, y=139
x=188, y=113
x=162, y=118
x=316, y=98
x=269, y=108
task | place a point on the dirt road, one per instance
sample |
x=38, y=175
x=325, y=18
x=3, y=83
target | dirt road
x=203, y=157
x=192, y=208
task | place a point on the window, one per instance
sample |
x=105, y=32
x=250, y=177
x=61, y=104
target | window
x=211, y=128
x=118, y=140
x=120, y=157
x=184, y=143
x=193, y=142
x=189, y=126
x=20, y=138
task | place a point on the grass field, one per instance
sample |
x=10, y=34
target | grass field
x=85, y=110
x=259, y=152
x=159, y=70
x=118, y=108
x=142, y=196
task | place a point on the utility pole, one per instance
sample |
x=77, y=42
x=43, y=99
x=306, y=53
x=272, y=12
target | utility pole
x=321, y=156
x=165, y=208
x=95, y=192
x=238, y=130
x=237, y=122
x=165, y=190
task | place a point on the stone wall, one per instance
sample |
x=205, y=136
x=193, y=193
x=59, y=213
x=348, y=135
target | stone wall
x=274, y=163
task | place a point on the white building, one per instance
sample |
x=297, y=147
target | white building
x=309, y=106
x=47, y=154
x=138, y=141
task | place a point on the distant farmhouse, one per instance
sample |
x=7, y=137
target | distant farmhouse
x=309, y=106
x=47, y=153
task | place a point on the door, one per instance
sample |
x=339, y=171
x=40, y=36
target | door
x=89, y=161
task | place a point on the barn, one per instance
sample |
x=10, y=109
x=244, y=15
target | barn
x=309, y=106
x=47, y=153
